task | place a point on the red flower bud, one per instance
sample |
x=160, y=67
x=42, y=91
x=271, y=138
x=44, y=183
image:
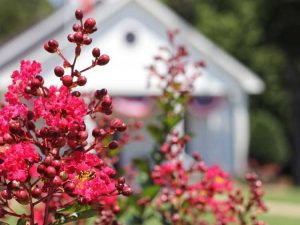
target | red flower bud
x=59, y=71
x=57, y=181
x=76, y=27
x=69, y=187
x=78, y=14
x=6, y=194
x=30, y=115
x=67, y=80
x=48, y=48
x=127, y=191
x=107, y=101
x=87, y=40
x=103, y=60
x=83, y=135
x=22, y=196
x=100, y=93
x=53, y=44
x=81, y=81
x=50, y=172
x=41, y=169
x=116, y=123
x=78, y=37
x=96, y=52
x=89, y=24
x=113, y=145
x=71, y=37
x=122, y=128
x=56, y=163
x=36, y=192
x=48, y=160
x=96, y=132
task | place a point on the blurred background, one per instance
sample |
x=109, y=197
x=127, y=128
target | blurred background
x=264, y=35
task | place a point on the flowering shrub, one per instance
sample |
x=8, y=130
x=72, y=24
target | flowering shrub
x=47, y=164
x=180, y=190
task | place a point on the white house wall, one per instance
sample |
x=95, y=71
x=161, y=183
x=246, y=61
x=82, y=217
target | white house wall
x=212, y=135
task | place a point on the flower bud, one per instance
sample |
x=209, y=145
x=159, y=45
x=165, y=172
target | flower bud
x=22, y=197
x=63, y=175
x=89, y=24
x=127, y=191
x=96, y=52
x=87, y=40
x=36, y=192
x=107, y=101
x=67, y=80
x=113, y=145
x=83, y=135
x=13, y=185
x=76, y=27
x=78, y=37
x=71, y=37
x=57, y=181
x=6, y=194
x=103, y=60
x=116, y=123
x=53, y=44
x=76, y=94
x=59, y=71
x=48, y=160
x=96, y=132
x=56, y=164
x=48, y=48
x=50, y=172
x=41, y=169
x=78, y=14
x=99, y=94
x=69, y=187
x=81, y=81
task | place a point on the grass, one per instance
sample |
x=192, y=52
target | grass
x=280, y=220
x=282, y=194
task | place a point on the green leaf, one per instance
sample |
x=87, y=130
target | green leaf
x=155, y=132
x=75, y=208
x=63, y=219
x=151, y=191
x=173, y=120
x=23, y=221
x=3, y=223
x=142, y=165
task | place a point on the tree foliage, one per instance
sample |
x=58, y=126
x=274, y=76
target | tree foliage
x=16, y=15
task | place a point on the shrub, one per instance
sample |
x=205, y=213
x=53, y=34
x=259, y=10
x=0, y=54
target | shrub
x=268, y=143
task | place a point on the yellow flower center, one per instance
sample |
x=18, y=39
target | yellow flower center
x=86, y=175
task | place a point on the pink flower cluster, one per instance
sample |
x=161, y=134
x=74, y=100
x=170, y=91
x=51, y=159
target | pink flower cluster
x=46, y=162
x=195, y=191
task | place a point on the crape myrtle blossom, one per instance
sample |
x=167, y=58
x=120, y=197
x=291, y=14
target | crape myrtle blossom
x=46, y=163
x=60, y=109
x=179, y=189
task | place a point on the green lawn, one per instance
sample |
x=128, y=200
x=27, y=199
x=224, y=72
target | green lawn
x=283, y=194
x=280, y=220
x=280, y=194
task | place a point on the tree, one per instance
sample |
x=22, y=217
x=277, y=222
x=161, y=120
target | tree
x=16, y=15
x=282, y=28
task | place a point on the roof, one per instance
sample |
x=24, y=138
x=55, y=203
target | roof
x=247, y=79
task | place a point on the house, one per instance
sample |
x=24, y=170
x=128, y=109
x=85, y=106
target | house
x=131, y=31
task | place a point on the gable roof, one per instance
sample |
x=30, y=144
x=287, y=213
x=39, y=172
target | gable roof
x=248, y=80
